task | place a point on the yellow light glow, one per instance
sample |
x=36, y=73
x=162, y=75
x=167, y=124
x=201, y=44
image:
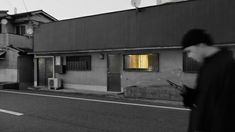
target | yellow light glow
x=139, y=61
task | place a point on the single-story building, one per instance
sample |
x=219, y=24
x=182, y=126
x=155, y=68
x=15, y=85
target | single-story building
x=112, y=51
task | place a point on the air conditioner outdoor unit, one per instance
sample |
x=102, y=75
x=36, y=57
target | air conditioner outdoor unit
x=54, y=83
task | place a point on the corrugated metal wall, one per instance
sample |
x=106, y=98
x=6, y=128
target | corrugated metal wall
x=152, y=27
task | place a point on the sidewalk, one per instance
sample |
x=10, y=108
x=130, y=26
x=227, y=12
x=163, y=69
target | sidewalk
x=79, y=91
x=104, y=94
x=117, y=95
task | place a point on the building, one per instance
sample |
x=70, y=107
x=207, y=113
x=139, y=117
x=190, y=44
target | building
x=16, y=40
x=112, y=51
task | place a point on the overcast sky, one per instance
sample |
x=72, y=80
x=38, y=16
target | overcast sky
x=65, y=9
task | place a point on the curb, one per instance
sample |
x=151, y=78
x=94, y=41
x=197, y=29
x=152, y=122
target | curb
x=111, y=95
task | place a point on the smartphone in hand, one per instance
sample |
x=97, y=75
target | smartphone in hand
x=176, y=86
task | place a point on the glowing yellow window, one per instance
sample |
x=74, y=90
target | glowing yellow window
x=138, y=62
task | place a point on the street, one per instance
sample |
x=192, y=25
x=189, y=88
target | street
x=45, y=112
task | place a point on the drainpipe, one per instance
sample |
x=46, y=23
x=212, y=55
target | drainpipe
x=35, y=80
x=4, y=31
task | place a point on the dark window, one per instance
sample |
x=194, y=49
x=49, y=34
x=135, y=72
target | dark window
x=2, y=54
x=20, y=30
x=78, y=63
x=190, y=65
x=141, y=62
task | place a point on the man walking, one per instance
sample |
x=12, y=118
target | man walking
x=212, y=101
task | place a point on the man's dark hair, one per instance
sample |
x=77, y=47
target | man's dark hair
x=196, y=36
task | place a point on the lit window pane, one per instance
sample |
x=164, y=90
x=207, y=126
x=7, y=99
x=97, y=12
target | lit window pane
x=141, y=62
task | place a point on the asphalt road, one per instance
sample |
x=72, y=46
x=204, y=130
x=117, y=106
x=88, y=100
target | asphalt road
x=46, y=112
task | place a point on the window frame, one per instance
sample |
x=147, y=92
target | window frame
x=21, y=28
x=77, y=63
x=155, y=63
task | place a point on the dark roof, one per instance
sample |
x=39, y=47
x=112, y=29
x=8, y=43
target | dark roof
x=155, y=26
x=20, y=50
x=3, y=11
x=31, y=13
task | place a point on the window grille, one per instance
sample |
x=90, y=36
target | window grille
x=78, y=63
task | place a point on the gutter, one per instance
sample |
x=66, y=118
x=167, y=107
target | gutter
x=117, y=50
x=105, y=50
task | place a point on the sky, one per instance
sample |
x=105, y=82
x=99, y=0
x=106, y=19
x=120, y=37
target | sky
x=66, y=9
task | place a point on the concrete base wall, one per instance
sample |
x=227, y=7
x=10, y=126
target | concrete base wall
x=25, y=85
x=86, y=87
x=163, y=92
x=9, y=85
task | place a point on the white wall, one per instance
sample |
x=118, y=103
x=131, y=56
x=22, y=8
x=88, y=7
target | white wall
x=96, y=79
x=170, y=68
x=8, y=75
x=8, y=67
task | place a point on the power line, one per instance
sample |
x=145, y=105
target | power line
x=25, y=6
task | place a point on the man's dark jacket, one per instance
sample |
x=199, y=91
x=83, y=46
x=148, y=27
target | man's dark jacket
x=213, y=101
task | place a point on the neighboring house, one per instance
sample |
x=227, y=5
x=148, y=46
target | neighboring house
x=16, y=40
x=109, y=52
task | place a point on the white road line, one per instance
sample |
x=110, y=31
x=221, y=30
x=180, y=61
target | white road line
x=11, y=112
x=95, y=100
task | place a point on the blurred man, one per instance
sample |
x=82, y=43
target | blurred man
x=212, y=101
